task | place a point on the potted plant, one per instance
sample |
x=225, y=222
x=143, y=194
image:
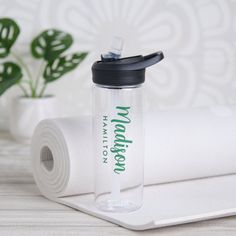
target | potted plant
x=34, y=104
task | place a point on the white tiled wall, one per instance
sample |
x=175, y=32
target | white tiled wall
x=198, y=38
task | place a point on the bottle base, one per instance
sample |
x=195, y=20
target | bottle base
x=119, y=206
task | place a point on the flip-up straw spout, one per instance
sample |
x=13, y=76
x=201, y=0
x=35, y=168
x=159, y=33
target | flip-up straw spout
x=115, y=49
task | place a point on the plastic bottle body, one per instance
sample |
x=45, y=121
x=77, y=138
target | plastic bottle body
x=118, y=141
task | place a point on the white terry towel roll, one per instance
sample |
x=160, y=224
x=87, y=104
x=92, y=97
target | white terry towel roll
x=180, y=145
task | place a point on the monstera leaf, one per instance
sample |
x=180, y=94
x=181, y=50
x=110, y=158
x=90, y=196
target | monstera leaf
x=10, y=74
x=9, y=32
x=55, y=69
x=50, y=44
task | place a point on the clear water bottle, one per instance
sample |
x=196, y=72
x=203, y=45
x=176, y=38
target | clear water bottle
x=118, y=132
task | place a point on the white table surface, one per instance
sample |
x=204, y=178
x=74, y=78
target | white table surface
x=23, y=211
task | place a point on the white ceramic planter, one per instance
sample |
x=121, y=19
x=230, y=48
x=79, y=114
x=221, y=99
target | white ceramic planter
x=26, y=113
x=3, y=114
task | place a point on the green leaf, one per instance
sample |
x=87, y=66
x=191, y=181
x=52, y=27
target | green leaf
x=50, y=44
x=10, y=74
x=9, y=32
x=55, y=69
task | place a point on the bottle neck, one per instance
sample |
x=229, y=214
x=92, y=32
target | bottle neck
x=118, y=87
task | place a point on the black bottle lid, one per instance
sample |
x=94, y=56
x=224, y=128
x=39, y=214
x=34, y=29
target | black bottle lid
x=129, y=71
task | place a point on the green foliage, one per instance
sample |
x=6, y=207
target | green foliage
x=48, y=46
x=57, y=68
x=10, y=74
x=9, y=32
